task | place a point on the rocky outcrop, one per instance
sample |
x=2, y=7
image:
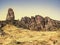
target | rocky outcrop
x=51, y=24
x=40, y=23
x=34, y=23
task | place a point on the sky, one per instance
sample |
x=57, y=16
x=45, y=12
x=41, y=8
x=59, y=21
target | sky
x=50, y=8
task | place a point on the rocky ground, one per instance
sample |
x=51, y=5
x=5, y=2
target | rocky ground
x=18, y=36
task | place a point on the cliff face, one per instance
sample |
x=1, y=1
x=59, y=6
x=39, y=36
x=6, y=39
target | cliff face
x=34, y=23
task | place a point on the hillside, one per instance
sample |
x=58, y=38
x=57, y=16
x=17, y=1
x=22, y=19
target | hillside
x=19, y=36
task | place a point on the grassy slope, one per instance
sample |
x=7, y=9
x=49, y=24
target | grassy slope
x=15, y=36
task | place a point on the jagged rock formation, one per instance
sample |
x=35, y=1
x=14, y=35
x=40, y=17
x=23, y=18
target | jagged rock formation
x=34, y=23
x=51, y=24
x=40, y=23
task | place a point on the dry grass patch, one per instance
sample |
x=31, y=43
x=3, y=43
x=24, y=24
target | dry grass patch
x=19, y=36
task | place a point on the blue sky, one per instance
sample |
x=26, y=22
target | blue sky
x=29, y=8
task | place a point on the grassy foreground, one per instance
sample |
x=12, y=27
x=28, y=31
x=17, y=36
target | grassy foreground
x=19, y=36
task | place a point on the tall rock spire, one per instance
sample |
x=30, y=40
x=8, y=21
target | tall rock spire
x=10, y=15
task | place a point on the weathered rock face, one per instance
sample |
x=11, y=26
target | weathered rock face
x=10, y=15
x=51, y=24
x=39, y=23
x=25, y=22
x=32, y=23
